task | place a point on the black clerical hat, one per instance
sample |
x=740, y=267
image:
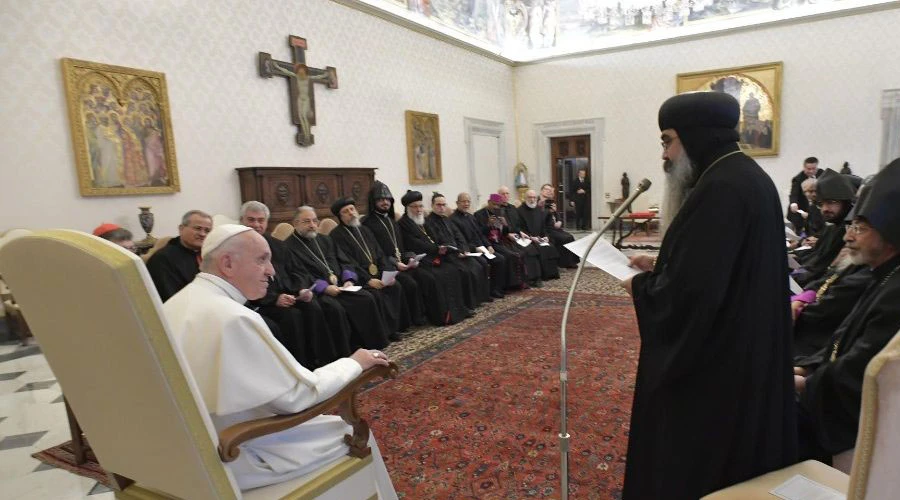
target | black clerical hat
x=411, y=197
x=704, y=121
x=834, y=186
x=879, y=203
x=434, y=195
x=341, y=203
x=379, y=191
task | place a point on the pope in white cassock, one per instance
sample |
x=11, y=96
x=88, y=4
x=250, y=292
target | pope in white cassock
x=244, y=373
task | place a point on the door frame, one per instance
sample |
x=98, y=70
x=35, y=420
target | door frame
x=473, y=127
x=593, y=127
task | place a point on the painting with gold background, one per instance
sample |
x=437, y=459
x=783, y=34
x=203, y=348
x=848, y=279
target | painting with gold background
x=758, y=90
x=121, y=129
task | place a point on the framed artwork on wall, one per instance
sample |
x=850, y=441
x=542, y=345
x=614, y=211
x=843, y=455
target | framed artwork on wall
x=758, y=90
x=423, y=147
x=121, y=129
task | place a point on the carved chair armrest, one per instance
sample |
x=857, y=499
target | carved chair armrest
x=345, y=401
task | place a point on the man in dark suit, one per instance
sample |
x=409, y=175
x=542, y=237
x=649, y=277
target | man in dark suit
x=797, y=200
x=580, y=194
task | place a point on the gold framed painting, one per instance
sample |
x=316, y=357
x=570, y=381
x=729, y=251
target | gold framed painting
x=423, y=147
x=758, y=90
x=121, y=129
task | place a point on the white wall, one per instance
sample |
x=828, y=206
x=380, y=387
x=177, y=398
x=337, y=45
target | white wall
x=223, y=114
x=834, y=73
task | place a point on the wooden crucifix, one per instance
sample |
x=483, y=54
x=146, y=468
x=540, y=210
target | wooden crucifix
x=302, y=78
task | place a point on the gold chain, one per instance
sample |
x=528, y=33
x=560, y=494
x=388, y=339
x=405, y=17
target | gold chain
x=364, y=247
x=390, y=229
x=837, y=343
x=323, y=260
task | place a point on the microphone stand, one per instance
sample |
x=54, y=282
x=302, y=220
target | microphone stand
x=563, y=357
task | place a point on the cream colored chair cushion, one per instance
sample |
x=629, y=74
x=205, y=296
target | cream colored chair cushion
x=327, y=225
x=282, y=231
x=759, y=487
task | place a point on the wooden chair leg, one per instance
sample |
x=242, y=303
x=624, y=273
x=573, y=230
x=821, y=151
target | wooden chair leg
x=79, y=447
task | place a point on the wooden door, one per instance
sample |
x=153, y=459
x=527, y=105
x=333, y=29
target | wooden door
x=568, y=155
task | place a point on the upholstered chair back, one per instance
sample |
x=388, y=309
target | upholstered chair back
x=282, y=231
x=327, y=225
x=96, y=314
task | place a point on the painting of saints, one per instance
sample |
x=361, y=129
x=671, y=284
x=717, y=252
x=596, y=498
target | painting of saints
x=755, y=126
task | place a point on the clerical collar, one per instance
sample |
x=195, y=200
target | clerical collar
x=225, y=286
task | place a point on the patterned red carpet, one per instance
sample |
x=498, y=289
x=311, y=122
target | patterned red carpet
x=479, y=419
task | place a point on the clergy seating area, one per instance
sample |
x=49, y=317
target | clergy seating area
x=129, y=386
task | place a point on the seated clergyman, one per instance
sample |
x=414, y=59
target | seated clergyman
x=251, y=374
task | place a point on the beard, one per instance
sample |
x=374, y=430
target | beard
x=354, y=222
x=418, y=219
x=531, y=204
x=309, y=235
x=679, y=177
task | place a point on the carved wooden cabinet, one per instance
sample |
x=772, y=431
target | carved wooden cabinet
x=283, y=189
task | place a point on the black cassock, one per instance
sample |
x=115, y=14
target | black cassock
x=818, y=321
x=534, y=222
x=495, y=229
x=830, y=403
x=471, y=232
x=387, y=235
x=533, y=255
x=816, y=262
x=446, y=233
x=172, y=267
x=449, y=292
x=359, y=245
x=312, y=336
x=366, y=323
x=714, y=394
x=558, y=236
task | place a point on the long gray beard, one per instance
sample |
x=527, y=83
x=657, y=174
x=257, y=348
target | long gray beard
x=418, y=219
x=531, y=205
x=678, y=181
x=354, y=222
x=309, y=235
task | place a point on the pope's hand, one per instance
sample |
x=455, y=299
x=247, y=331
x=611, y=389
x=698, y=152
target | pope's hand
x=369, y=358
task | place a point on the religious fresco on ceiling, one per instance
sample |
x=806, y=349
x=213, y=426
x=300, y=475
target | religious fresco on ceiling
x=583, y=24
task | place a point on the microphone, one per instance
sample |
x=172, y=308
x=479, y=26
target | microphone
x=563, y=361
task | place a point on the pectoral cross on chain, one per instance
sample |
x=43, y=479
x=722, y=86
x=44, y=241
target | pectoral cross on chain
x=301, y=78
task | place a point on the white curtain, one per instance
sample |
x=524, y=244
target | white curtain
x=890, y=116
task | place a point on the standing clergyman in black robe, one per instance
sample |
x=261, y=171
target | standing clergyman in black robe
x=714, y=397
x=358, y=244
x=318, y=254
x=830, y=381
x=416, y=284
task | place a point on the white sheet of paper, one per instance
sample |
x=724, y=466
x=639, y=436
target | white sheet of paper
x=351, y=288
x=803, y=488
x=790, y=234
x=605, y=256
x=523, y=242
x=545, y=244
x=473, y=254
x=804, y=247
x=792, y=262
x=419, y=257
x=795, y=287
x=389, y=277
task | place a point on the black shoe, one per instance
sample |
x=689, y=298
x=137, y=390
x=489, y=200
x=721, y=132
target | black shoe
x=537, y=284
x=497, y=294
x=470, y=313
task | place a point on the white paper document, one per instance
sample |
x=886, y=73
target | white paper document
x=484, y=251
x=473, y=254
x=790, y=235
x=523, y=242
x=804, y=247
x=419, y=257
x=605, y=256
x=792, y=262
x=389, y=277
x=803, y=488
x=545, y=244
x=795, y=287
x=351, y=288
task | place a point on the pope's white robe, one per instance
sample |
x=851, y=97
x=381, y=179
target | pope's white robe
x=244, y=373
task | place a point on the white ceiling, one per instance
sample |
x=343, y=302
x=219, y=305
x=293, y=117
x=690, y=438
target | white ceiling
x=521, y=31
